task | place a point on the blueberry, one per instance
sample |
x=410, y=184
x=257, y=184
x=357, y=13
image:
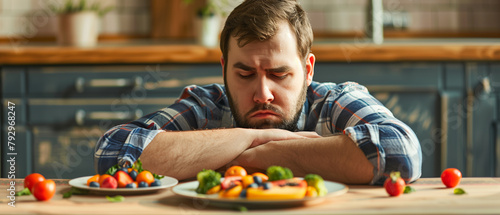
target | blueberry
x=243, y=194
x=156, y=183
x=143, y=184
x=94, y=184
x=257, y=180
x=253, y=185
x=131, y=185
x=267, y=186
x=133, y=174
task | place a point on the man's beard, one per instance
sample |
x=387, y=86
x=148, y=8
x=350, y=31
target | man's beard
x=287, y=124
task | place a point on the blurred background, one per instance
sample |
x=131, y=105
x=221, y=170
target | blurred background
x=329, y=18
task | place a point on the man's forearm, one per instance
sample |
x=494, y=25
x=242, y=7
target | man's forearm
x=335, y=158
x=181, y=154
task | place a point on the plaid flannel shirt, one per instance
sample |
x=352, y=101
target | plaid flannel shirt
x=347, y=108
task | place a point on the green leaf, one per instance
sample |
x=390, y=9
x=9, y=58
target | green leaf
x=409, y=189
x=459, y=191
x=115, y=198
x=112, y=170
x=75, y=191
x=24, y=192
x=138, y=166
x=242, y=208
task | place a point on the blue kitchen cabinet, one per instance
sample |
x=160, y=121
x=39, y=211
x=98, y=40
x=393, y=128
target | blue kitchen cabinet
x=63, y=110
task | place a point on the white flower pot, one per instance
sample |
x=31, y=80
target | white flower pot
x=207, y=30
x=78, y=29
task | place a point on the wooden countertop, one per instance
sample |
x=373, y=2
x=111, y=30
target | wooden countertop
x=325, y=50
x=431, y=197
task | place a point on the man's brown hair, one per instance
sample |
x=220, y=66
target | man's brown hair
x=258, y=20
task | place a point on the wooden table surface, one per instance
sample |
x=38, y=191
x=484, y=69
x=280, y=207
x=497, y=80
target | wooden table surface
x=431, y=197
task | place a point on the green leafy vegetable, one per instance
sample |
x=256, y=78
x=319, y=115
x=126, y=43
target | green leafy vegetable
x=278, y=173
x=317, y=182
x=409, y=189
x=115, y=198
x=459, y=191
x=24, y=192
x=207, y=179
x=112, y=170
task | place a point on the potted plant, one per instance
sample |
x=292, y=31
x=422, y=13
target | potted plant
x=78, y=23
x=208, y=21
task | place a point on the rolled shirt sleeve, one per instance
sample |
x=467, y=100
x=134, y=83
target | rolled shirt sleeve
x=388, y=143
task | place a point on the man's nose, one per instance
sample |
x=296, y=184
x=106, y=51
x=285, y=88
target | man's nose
x=263, y=92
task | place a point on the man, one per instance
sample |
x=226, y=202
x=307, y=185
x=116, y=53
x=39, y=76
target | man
x=269, y=112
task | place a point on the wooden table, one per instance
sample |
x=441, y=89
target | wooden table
x=483, y=197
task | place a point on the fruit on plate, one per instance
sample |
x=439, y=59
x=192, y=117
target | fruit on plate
x=278, y=184
x=394, y=185
x=235, y=171
x=109, y=182
x=451, y=177
x=123, y=178
x=280, y=190
x=133, y=177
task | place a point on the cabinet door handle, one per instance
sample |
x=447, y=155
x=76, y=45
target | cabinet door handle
x=81, y=116
x=81, y=83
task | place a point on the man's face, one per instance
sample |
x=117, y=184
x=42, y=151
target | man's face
x=267, y=81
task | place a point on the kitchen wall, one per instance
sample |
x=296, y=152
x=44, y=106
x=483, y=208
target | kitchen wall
x=421, y=15
x=33, y=18
x=132, y=17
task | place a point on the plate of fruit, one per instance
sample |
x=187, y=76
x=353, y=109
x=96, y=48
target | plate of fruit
x=132, y=180
x=278, y=187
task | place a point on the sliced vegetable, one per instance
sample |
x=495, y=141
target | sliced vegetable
x=115, y=198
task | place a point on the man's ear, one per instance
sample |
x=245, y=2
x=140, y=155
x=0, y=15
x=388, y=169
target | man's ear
x=222, y=63
x=311, y=59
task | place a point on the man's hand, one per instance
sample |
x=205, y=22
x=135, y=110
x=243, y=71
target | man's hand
x=262, y=136
x=335, y=158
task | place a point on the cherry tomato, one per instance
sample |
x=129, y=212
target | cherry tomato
x=44, y=190
x=94, y=178
x=451, y=177
x=394, y=185
x=235, y=171
x=32, y=179
x=263, y=176
x=145, y=176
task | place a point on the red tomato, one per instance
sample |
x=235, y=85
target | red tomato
x=32, y=179
x=44, y=190
x=394, y=185
x=235, y=171
x=451, y=177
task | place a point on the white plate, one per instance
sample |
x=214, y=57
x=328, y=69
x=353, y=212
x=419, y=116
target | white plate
x=81, y=183
x=188, y=190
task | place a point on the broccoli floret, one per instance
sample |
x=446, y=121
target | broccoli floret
x=207, y=179
x=277, y=173
x=317, y=182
